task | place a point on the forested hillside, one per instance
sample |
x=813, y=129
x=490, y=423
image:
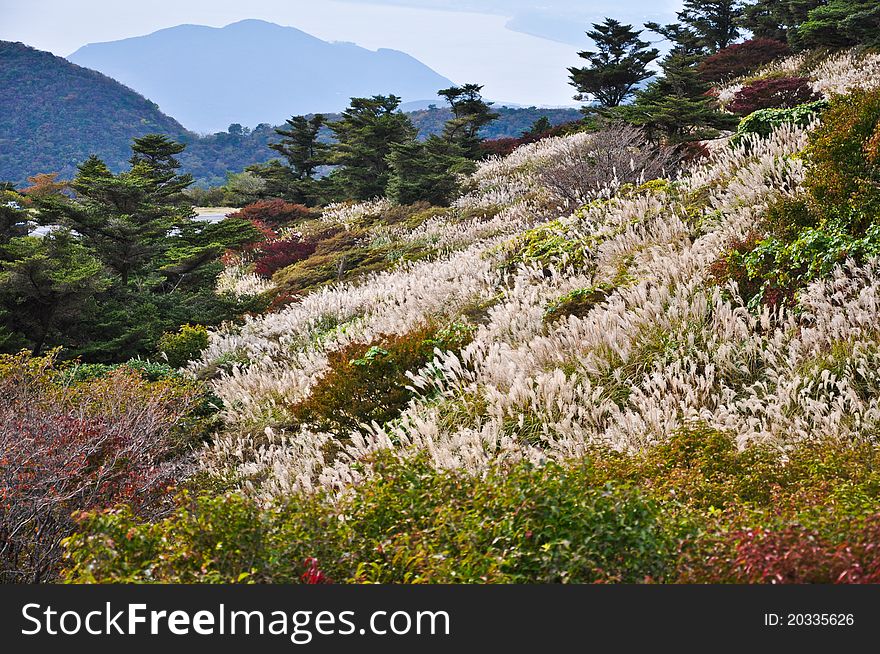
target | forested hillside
x=56, y=114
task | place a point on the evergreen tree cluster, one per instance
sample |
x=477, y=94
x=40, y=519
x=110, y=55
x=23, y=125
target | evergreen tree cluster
x=676, y=106
x=376, y=152
x=124, y=260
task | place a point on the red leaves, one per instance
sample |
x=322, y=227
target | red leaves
x=313, y=574
x=741, y=58
x=274, y=213
x=67, y=449
x=797, y=555
x=780, y=92
x=275, y=255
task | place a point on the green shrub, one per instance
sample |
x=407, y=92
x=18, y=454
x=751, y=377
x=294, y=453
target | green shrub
x=693, y=508
x=803, y=239
x=183, y=346
x=547, y=245
x=367, y=382
x=764, y=121
x=843, y=176
x=576, y=303
x=408, y=524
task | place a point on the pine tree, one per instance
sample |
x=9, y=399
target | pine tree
x=12, y=215
x=618, y=65
x=365, y=135
x=470, y=114
x=301, y=146
x=426, y=172
x=842, y=23
x=47, y=285
x=153, y=158
x=161, y=262
x=304, y=151
x=118, y=216
x=772, y=19
x=539, y=127
x=715, y=22
x=676, y=107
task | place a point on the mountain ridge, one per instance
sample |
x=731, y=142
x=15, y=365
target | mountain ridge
x=248, y=72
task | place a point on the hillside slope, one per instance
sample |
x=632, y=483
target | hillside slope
x=254, y=72
x=54, y=114
x=596, y=325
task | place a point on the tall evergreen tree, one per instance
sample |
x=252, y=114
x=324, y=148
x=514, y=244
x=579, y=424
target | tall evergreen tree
x=715, y=22
x=153, y=156
x=119, y=216
x=365, y=135
x=777, y=19
x=842, y=23
x=470, y=114
x=301, y=145
x=616, y=67
x=48, y=284
x=426, y=172
x=676, y=107
x=161, y=262
x=12, y=215
x=305, y=153
x=540, y=126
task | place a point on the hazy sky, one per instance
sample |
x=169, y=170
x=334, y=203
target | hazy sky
x=517, y=48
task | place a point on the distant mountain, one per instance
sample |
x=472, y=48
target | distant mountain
x=54, y=114
x=254, y=72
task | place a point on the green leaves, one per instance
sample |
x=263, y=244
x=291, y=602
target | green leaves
x=617, y=66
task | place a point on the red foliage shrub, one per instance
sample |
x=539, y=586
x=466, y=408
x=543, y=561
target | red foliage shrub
x=742, y=58
x=67, y=448
x=275, y=255
x=504, y=146
x=781, y=92
x=796, y=555
x=274, y=213
x=500, y=147
x=313, y=573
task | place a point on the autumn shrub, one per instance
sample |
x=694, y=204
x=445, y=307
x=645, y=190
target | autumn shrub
x=843, y=176
x=276, y=213
x=345, y=253
x=835, y=220
x=501, y=147
x=367, y=382
x=773, y=93
x=613, y=156
x=741, y=58
x=275, y=255
x=68, y=447
x=791, y=554
x=409, y=523
x=186, y=344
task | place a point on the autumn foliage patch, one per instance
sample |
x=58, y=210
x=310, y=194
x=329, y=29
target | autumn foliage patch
x=741, y=58
x=773, y=93
x=67, y=447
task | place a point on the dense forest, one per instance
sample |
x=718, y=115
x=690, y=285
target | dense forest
x=640, y=347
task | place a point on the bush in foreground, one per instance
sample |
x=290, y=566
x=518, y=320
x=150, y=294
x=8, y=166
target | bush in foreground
x=695, y=508
x=68, y=446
